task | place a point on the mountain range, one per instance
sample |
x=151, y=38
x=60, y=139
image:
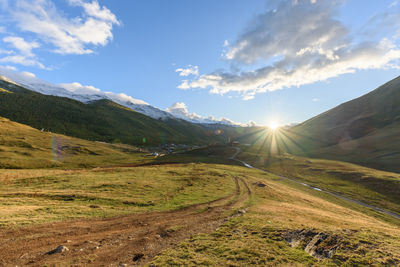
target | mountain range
x=86, y=94
x=365, y=130
x=102, y=119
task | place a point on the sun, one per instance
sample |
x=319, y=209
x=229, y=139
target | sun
x=273, y=126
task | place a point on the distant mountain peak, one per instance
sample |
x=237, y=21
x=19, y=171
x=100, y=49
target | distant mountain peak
x=88, y=94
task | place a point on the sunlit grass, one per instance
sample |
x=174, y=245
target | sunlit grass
x=53, y=195
x=23, y=147
x=257, y=238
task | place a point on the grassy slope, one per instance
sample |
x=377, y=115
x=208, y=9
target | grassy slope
x=364, y=130
x=24, y=147
x=380, y=149
x=101, y=120
x=51, y=195
x=379, y=188
x=258, y=237
x=280, y=208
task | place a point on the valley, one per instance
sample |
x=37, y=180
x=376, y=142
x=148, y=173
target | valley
x=100, y=184
x=204, y=133
x=190, y=213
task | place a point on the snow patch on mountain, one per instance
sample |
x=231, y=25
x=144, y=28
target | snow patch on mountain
x=87, y=93
x=179, y=110
x=80, y=92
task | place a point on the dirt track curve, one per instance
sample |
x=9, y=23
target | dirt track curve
x=133, y=240
x=358, y=202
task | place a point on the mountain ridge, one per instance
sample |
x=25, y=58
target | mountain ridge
x=100, y=120
x=86, y=94
x=364, y=130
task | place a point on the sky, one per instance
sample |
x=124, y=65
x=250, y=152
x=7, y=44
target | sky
x=264, y=61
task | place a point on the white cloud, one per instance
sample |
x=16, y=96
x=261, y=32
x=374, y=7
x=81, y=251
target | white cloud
x=11, y=68
x=184, y=85
x=22, y=60
x=28, y=74
x=190, y=70
x=6, y=52
x=315, y=99
x=95, y=10
x=23, y=46
x=10, y=74
x=76, y=35
x=24, y=55
x=295, y=43
x=79, y=89
x=180, y=110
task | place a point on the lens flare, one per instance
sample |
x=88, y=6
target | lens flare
x=273, y=126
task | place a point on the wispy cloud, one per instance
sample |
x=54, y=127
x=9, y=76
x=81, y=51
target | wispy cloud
x=295, y=43
x=22, y=60
x=23, y=46
x=394, y=3
x=76, y=35
x=23, y=54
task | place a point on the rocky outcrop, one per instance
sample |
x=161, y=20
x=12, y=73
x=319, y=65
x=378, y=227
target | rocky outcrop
x=318, y=244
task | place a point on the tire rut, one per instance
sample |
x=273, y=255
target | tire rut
x=133, y=239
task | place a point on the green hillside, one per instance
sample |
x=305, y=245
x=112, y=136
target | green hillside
x=101, y=120
x=364, y=130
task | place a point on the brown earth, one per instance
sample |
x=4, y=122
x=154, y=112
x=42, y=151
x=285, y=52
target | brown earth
x=132, y=240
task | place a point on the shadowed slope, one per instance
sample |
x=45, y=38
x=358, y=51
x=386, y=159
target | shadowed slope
x=364, y=130
x=101, y=120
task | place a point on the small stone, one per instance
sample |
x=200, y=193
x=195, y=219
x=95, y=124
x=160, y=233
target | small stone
x=260, y=184
x=241, y=211
x=59, y=249
x=138, y=256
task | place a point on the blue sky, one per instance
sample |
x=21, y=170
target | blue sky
x=257, y=60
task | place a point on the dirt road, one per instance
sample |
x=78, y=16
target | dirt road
x=131, y=240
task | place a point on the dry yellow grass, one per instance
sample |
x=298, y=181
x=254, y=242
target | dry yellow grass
x=24, y=147
x=2, y=90
x=258, y=237
x=34, y=196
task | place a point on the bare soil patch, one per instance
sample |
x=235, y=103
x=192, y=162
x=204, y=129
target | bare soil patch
x=133, y=240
